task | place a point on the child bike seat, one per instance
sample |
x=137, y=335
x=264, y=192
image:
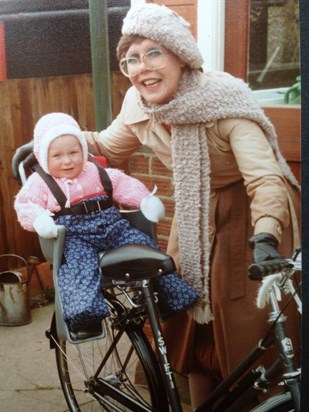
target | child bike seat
x=130, y=262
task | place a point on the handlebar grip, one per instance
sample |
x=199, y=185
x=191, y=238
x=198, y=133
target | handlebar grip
x=258, y=270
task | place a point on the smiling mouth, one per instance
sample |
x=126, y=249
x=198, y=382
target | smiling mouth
x=151, y=83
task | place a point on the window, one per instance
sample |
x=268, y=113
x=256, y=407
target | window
x=274, y=43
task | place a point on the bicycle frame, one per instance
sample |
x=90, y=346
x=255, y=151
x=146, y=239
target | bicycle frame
x=245, y=382
x=161, y=349
x=249, y=384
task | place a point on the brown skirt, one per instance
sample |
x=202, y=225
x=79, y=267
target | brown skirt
x=238, y=324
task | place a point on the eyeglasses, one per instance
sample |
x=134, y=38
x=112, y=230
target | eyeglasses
x=154, y=59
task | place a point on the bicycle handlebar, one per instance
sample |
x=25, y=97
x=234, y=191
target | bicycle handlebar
x=258, y=270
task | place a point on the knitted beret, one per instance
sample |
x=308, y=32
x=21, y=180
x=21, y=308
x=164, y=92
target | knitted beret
x=166, y=27
x=51, y=126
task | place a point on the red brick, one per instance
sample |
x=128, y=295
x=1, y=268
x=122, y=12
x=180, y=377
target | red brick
x=163, y=241
x=169, y=207
x=158, y=168
x=164, y=185
x=139, y=164
x=164, y=227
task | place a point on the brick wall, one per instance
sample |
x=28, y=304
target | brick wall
x=145, y=166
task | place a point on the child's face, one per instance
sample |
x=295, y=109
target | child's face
x=65, y=157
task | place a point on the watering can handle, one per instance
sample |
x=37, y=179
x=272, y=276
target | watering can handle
x=18, y=257
x=13, y=255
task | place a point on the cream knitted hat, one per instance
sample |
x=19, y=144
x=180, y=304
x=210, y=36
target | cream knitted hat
x=166, y=27
x=51, y=126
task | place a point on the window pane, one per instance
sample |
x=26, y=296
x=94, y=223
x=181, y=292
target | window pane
x=274, y=56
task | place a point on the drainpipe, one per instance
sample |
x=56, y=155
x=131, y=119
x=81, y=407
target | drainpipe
x=100, y=63
x=3, y=71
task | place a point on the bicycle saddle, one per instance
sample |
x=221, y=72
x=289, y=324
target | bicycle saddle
x=135, y=262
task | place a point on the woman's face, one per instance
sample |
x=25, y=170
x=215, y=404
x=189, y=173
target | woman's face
x=156, y=86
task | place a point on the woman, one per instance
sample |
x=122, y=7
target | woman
x=231, y=185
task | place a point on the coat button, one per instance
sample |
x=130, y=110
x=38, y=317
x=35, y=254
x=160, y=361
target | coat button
x=213, y=194
x=211, y=230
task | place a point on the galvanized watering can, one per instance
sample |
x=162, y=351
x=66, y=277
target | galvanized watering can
x=14, y=291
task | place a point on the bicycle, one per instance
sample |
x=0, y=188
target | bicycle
x=110, y=379
x=118, y=370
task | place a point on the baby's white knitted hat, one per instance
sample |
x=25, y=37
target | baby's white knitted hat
x=164, y=26
x=51, y=126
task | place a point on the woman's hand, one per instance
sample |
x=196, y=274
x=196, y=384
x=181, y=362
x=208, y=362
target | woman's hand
x=264, y=246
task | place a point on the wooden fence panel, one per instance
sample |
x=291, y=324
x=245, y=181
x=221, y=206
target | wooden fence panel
x=22, y=102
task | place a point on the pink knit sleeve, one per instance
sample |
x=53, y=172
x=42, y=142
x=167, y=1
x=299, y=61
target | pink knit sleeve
x=127, y=190
x=31, y=201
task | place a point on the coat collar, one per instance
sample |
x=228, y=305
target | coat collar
x=134, y=113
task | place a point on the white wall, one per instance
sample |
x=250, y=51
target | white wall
x=210, y=32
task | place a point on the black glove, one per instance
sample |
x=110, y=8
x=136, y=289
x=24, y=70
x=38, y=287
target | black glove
x=264, y=247
x=21, y=153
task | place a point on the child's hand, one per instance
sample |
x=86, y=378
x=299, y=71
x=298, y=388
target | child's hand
x=152, y=207
x=45, y=226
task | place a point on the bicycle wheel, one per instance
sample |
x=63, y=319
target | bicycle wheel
x=278, y=403
x=130, y=368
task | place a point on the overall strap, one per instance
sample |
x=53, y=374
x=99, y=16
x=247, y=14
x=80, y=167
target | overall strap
x=58, y=193
x=105, y=179
x=52, y=184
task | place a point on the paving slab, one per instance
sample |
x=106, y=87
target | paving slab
x=28, y=376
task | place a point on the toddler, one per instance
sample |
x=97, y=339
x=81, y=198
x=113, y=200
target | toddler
x=67, y=189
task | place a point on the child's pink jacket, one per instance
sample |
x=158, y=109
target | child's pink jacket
x=35, y=197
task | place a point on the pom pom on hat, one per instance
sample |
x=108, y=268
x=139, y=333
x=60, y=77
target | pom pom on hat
x=51, y=126
x=164, y=26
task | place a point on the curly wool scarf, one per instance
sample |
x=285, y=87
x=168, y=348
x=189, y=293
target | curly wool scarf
x=201, y=99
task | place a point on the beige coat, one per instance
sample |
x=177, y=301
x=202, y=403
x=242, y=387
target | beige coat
x=249, y=195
